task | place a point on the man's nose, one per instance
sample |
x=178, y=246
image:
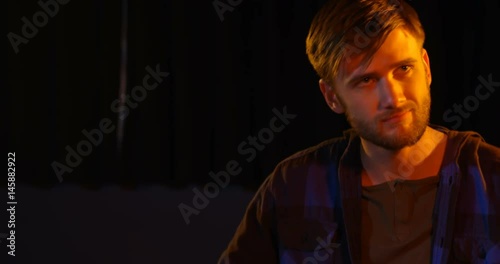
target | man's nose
x=391, y=93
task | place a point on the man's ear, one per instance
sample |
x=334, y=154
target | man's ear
x=331, y=97
x=427, y=64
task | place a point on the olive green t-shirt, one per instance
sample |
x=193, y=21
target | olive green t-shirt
x=397, y=221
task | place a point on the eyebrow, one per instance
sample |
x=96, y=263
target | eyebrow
x=355, y=78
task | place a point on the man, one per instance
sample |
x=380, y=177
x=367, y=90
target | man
x=394, y=188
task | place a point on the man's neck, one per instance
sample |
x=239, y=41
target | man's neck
x=421, y=160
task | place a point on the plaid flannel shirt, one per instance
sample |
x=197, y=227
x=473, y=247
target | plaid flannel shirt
x=309, y=209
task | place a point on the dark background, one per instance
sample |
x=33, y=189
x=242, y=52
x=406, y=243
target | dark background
x=225, y=79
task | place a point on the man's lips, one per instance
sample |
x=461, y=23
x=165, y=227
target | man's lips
x=396, y=117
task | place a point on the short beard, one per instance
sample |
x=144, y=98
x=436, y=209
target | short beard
x=365, y=131
x=369, y=132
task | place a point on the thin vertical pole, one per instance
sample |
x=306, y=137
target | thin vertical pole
x=123, y=77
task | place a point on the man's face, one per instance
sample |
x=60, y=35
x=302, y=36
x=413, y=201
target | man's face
x=388, y=101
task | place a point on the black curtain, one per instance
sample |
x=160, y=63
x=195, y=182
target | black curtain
x=225, y=77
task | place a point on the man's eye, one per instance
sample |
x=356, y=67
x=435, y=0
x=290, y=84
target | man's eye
x=366, y=79
x=406, y=67
x=364, y=82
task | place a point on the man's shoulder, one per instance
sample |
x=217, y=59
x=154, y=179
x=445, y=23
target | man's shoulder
x=306, y=167
x=485, y=151
x=473, y=146
x=296, y=168
x=319, y=153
